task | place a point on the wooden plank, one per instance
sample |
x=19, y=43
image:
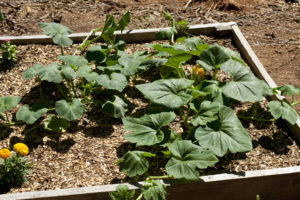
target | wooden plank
x=139, y=35
x=259, y=70
x=272, y=184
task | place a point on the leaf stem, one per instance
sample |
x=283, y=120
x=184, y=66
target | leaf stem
x=158, y=177
x=7, y=118
x=11, y=123
x=256, y=119
x=295, y=103
x=215, y=73
x=61, y=91
x=191, y=130
x=50, y=109
x=140, y=197
x=61, y=50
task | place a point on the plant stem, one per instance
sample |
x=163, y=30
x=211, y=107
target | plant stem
x=293, y=99
x=61, y=50
x=41, y=91
x=61, y=91
x=215, y=73
x=186, y=117
x=140, y=197
x=50, y=109
x=254, y=111
x=158, y=177
x=7, y=118
x=295, y=103
x=11, y=123
x=256, y=119
x=191, y=130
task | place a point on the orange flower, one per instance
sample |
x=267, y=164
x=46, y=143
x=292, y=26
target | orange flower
x=198, y=71
x=4, y=153
x=21, y=148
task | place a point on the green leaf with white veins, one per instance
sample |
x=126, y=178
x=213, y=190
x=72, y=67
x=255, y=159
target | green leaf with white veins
x=50, y=73
x=8, y=102
x=134, y=162
x=186, y=158
x=69, y=110
x=245, y=87
x=56, y=124
x=116, y=108
x=76, y=61
x=57, y=32
x=225, y=134
x=146, y=130
x=167, y=92
x=284, y=110
x=211, y=57
x=87, y=73
x=114, y=81
x=155, y=191
x=29, y=114
x=206, y=112
x=32, y=71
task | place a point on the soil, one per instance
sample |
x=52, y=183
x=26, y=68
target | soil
x=87, y=154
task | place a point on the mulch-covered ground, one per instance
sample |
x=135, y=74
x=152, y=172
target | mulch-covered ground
x=87, y=154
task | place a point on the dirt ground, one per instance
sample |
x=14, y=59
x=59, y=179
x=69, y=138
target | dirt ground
x=86, y=155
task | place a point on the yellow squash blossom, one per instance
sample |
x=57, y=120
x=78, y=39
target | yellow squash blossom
x=21, y=148
x=4, y=153
x=198, y=71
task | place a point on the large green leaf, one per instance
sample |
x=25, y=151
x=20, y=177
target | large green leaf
x=155, y=191
x=69, y=110
x=288, y=90
x=167, y=92
x=56, y=124
x=114, y=81
x=50, y=73
x=170, y=49
x=116, y=108
x=186, y=158
x=226, y=134
x=245, y=86
x=214, y=90
x=109, y=28
x=284, y=110
x=57, y=32
x=212, y=57
x=8, y=102
x=29, y=114
x=134, y=162
x=68, y=72
x=76, y=61
x=206, y=111
x=32, y=71
x=146, y=130
x=130, y=65
x=87, y=73
x=192, y=43
x=94, y=53
x=176, y=60
x=122, y=193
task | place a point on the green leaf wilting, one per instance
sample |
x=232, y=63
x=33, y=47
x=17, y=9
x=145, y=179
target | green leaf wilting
x=8, y=102
x=186, y=158
x=59, y=33
x=167, y=92
x=134, y=162
x=116, y=108
x=69, y=110
x=56, y=124
x=29, y=114
x=225, y=134
x=147, y=130
x=284, y=110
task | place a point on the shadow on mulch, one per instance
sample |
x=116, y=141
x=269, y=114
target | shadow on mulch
x=5, y=132
x=260, y=113
x=278, y=143
x=61, y=146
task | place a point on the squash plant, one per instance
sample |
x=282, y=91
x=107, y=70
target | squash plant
x=98, y=74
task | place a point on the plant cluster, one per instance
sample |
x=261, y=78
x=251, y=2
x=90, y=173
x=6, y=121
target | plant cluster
x=98, y=74
x=13, y=166
x=9, y=53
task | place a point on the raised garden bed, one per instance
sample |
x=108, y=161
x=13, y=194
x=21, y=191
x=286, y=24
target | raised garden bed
x=279, y=177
